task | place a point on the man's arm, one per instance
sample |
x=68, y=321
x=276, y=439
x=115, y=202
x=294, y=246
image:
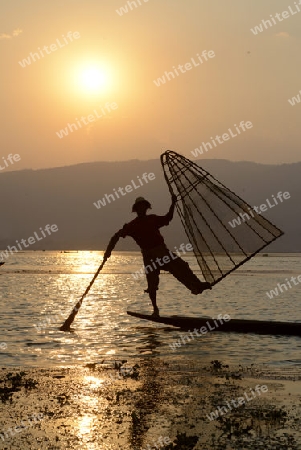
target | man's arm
x=111, y=245
x=170, y=213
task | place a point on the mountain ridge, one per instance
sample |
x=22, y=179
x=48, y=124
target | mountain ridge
x=65, y=196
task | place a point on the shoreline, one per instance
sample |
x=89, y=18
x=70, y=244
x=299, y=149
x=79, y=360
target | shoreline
x=135, y=404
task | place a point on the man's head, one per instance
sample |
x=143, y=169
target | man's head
x=141, y=206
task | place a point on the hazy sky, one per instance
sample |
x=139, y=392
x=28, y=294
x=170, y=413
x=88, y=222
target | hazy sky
x=116, y=58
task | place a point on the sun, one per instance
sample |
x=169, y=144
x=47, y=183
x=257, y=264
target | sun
x=92, y=79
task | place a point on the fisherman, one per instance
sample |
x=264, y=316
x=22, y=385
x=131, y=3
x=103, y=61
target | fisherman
x=144, y=229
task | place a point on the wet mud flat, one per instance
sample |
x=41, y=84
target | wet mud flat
x=150, y=403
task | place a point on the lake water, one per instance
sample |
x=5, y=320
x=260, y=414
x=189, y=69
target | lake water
x=39, y=289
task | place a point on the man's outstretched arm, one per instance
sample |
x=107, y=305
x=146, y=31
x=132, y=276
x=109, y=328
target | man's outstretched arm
x=170, y=213
x=111, y=245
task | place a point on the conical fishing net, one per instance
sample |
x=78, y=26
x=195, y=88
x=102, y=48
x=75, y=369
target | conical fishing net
x=207, y=210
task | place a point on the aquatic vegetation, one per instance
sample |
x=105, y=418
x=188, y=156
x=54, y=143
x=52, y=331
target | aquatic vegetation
x=182, y=442
x=217, y=365
x=257, y=425
x=14, y=383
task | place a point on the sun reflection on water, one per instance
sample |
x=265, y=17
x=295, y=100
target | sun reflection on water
x=111, y=352
x=94, y=382
x=89, y=262
x=86, y=426
x=85, y=432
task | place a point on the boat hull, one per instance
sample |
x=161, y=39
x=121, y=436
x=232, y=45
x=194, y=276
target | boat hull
x=233, y=325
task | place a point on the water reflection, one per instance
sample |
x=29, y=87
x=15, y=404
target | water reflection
x=150, y=392
x=88, y=262
x=85, y=426
x=149, y=342
x=35, y=304
x=94, y=382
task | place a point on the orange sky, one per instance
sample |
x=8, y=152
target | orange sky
x=250, y=78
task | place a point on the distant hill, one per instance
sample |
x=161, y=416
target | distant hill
x=64, y=196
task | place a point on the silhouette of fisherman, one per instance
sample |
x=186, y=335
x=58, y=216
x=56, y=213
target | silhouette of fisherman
x=144, y=229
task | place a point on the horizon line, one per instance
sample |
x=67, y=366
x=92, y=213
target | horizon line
x=147, y=160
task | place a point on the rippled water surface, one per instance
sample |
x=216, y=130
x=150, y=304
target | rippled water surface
x=39, y=289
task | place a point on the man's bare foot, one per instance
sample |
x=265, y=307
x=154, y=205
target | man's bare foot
x=156, y=312
x=202, y=287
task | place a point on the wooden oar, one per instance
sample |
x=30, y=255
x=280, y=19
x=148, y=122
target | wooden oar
x=68, y=322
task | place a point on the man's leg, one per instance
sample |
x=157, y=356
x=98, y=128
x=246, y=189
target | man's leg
x=152, y=287
x=153, y=297
x=181, y=271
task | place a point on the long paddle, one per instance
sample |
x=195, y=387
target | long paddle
x=68, y=322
